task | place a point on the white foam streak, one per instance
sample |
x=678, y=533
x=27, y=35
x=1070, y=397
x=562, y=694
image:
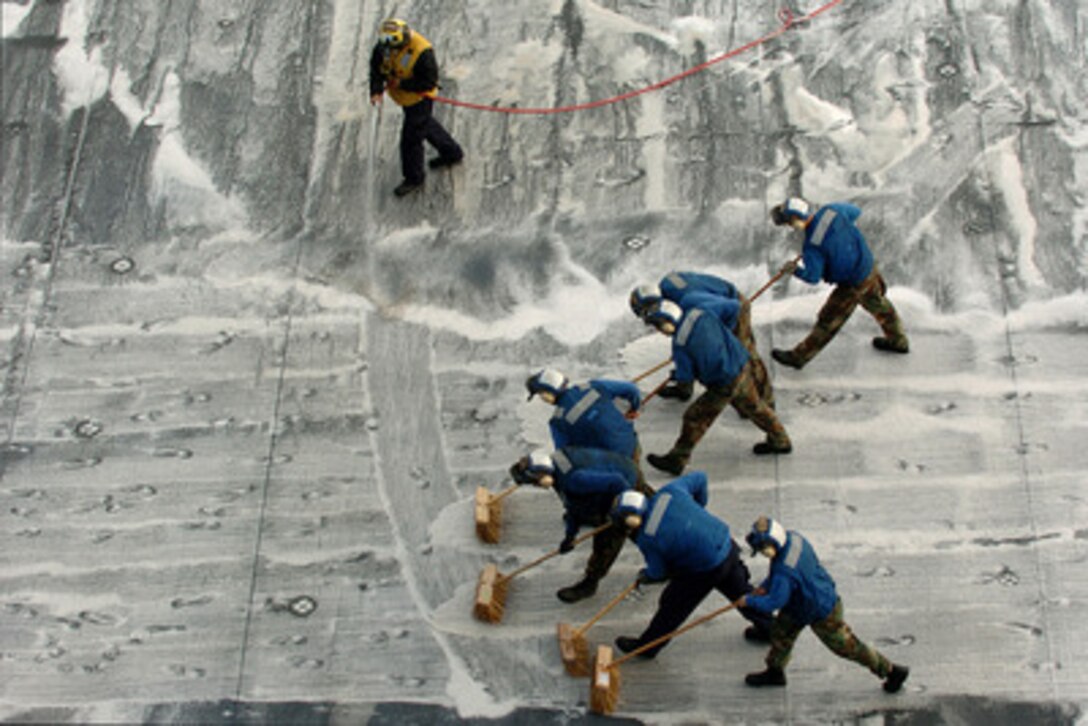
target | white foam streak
x=692, y=31
x=1008, y=176
x=1062, y=312
x=575, y=313
x=82, y=77
x=12, y=15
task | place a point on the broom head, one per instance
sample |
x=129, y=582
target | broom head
x=604, y=684
x=488, y=516
x=490, y=595
x=574, y=650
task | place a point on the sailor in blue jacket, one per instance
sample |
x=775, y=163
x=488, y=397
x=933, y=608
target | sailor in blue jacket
x=691, y=548
x=691, y=289
x=704, y=349
x=588, y=415
x=802, y=592
x=586, y=481
x=736, y=315
x=675, y=285
x=836, y=252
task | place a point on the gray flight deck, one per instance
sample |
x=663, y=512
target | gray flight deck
x=248, y=394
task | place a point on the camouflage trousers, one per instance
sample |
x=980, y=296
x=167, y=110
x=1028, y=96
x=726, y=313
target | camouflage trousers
x=747, y=338
x=832, y=632
x=608, y=543
x=744, y=397
x=871, y=294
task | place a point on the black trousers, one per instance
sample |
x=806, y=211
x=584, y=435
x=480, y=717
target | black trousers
x=419, y=126
x=684, y=593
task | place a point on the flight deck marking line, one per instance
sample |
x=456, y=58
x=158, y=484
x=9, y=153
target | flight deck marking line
x=411, y=580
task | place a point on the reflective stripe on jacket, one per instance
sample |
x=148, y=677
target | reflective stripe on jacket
x=703, y=349
x=676, y=286
x=678, y=536
x=834, y=249
x=797, y=584
x=588, y=416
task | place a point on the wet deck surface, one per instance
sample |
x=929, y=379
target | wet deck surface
x=241, y=434
x=279, y=510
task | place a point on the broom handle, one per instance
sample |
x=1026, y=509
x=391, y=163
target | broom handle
x=652, y=371
x=581, y=538
x=788, y=267
x=604, y=611
x=669, y=636
x=504, y=493
x=651, y=394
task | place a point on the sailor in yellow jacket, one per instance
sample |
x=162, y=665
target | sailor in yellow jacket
x=404, y=65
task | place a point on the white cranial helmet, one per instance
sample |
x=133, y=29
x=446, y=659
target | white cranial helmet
x=548, y=380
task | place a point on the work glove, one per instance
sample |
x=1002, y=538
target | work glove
x=566, y=545
x=789, y=267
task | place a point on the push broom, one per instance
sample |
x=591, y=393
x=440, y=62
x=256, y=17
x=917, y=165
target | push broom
x=492, y=587
x=573, y=646
x=489, y=513
x=604, y=687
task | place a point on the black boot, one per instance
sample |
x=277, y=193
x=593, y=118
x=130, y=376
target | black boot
x=442, y=161
x=670, y=463
x=586, y=587
x=769, y=677
x=756, y=634
x=899, y=345
x=406, y=187
x=895, y=678
x=788, y=358
x=627, y=644
x=679, y=391
x=772, y=447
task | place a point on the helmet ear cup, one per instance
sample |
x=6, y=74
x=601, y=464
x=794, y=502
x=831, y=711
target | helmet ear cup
x=629, y=507
x=548, y=380
x=789, y=210
x=665, y=311
x=541, y=463
x=519, y=472
x=767, y=537
x=394, y=33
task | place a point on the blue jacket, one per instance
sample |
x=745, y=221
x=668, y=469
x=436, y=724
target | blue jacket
x=587, y=481
x=587, y=416
x=676, y=286
x=678, y=536
x=834, y=248
x=797, y=584
x=703, y=349
x=725, y=309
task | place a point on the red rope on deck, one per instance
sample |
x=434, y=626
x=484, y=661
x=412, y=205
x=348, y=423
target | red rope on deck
x=785, y=16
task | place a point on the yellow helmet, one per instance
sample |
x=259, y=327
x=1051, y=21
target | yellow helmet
x=394, y=33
